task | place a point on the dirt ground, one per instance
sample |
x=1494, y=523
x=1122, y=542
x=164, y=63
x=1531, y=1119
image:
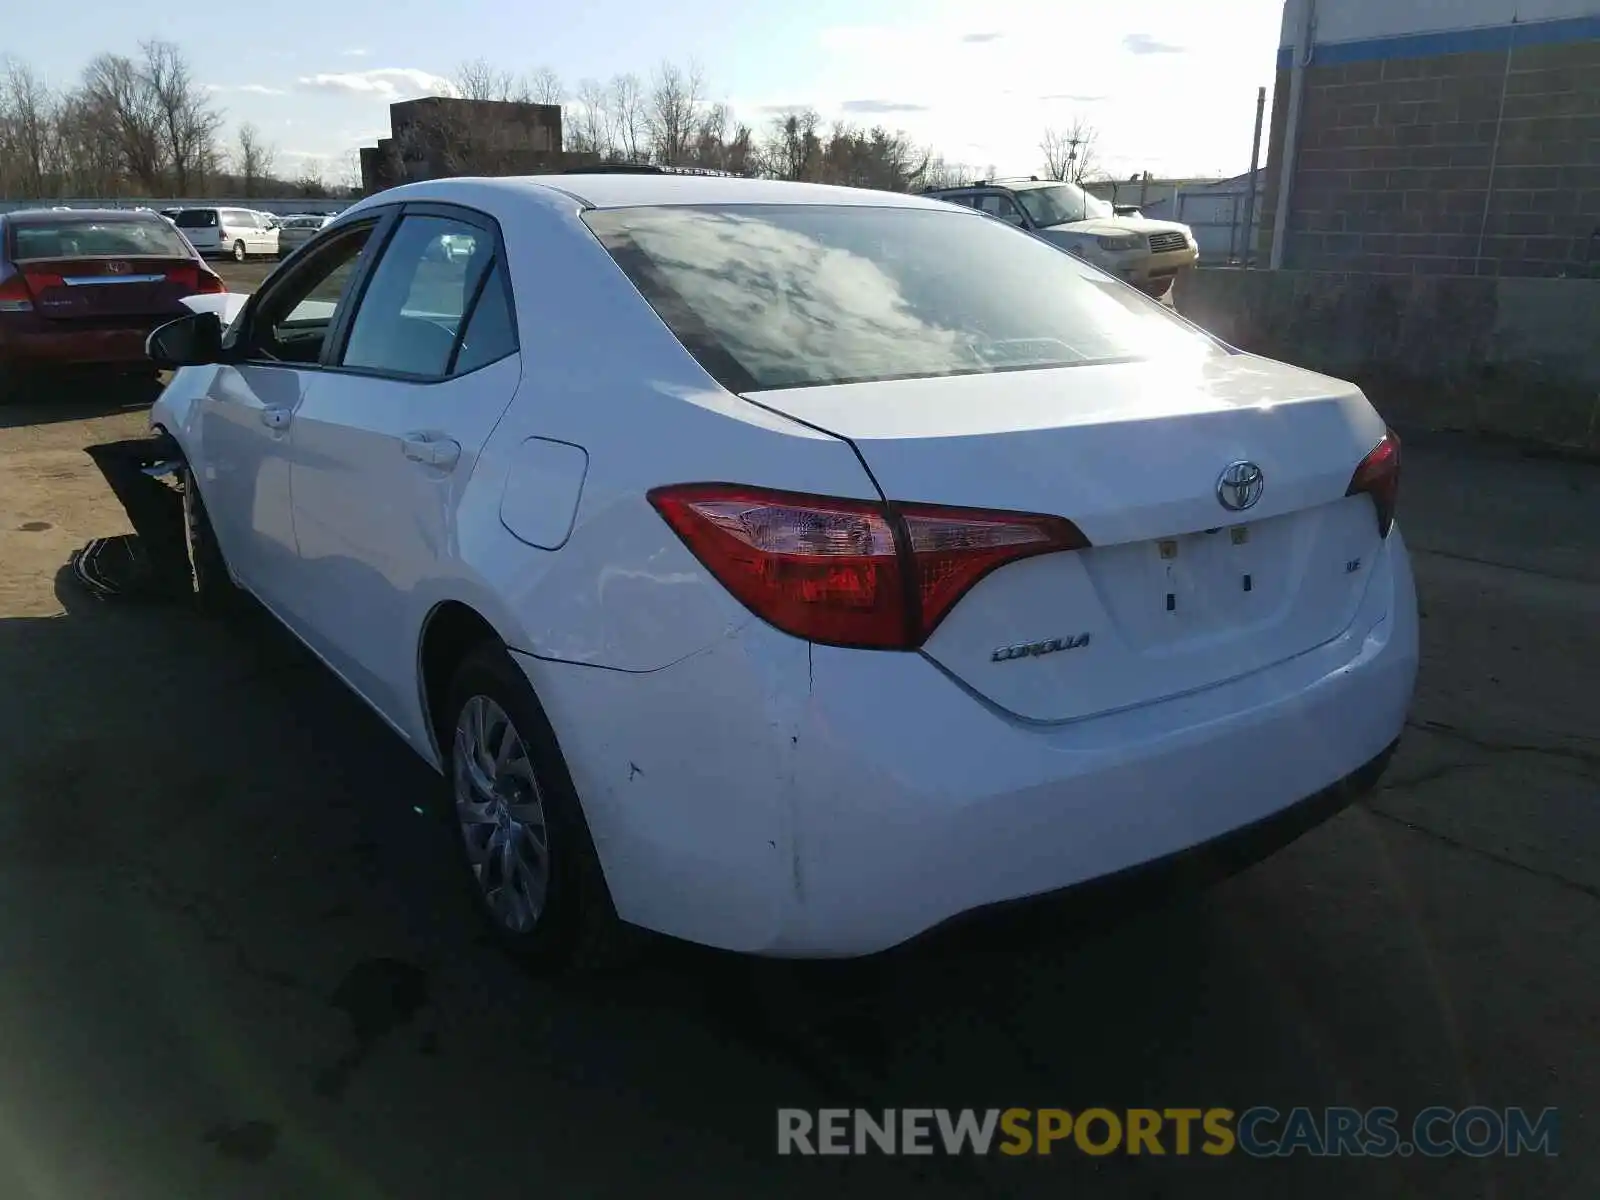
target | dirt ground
x=234, y=963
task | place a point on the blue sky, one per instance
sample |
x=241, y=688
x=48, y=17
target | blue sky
x=1169, y=84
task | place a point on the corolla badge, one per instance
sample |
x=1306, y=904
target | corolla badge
x=1034, y=649
x=1239, y=486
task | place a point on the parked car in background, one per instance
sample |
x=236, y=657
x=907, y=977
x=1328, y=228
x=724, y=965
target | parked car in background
x=297, y=230
x=794, y=568
x=1148, y=254
x=236, y=232
x=82, y=287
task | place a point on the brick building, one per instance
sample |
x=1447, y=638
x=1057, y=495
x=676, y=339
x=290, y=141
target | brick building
x=1458, y=138
x=440, y=135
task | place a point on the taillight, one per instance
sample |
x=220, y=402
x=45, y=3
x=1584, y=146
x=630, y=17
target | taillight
x=1378, y=476
x=850, y=572
x=14, y=295
x=196, y=279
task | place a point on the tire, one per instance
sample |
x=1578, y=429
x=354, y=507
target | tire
x=215, y=593
x=569, y=924
x=238, y=252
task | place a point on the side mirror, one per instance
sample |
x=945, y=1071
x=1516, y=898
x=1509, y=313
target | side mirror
x=190, y=341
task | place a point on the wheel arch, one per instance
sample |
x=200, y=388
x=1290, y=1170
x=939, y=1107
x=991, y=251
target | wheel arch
x=450, y=631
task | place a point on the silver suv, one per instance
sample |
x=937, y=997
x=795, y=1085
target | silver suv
x=1148, y=254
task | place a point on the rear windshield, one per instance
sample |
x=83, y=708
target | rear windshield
x=776, y=296
x=80, y=238
x=196, y=218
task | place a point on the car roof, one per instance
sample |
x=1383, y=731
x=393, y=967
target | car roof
x=644, y=190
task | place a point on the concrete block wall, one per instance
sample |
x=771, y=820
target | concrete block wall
x=1456, y=153
x=1500, y=356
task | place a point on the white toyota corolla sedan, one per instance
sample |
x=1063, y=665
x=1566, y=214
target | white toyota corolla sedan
x=788, y=568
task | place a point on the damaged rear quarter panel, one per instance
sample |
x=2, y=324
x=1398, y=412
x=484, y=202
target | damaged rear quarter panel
x=687, y=778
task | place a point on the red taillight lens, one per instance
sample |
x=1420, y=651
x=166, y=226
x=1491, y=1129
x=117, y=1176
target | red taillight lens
x=196, y=280
x=1378, y=476
x=14, y=295
x=850, y=572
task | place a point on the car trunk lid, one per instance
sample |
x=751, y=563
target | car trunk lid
x=1177, y=591
x=68, y=289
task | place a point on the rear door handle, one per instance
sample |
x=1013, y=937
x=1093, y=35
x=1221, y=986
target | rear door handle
x=276, y=418
x=439, y=452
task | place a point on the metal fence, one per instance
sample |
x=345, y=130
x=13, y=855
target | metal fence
x=277, y=206
x=1219, y=218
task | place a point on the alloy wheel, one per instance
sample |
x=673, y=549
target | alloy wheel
x=501, y=812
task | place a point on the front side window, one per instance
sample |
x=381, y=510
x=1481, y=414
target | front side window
x=292, y=321
x=776, y=296
x=419, y=292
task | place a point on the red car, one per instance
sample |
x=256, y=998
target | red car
x=82, y=288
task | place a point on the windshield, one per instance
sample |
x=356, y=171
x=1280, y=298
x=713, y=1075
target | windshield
x=1062, y=204
x=769, y=296
x=77, y=238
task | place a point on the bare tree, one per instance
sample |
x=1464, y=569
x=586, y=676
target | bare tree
x=253, y=159
x=676, y=94
x=115, y=96
x=941, y=173
x=630, y=122
x=546, y=87
x=482, y=80
x=793, y=150
x=188, y=121
x=30, y=123
x=588, y=127
x=1070, y=155
x=349, y=171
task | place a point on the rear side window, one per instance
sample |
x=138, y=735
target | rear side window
x=79, y=238
x=491, y=331
x=196, y=218
x=776, y=296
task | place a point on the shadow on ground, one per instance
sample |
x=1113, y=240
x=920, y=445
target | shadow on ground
x=236, y=943
x=49, y=402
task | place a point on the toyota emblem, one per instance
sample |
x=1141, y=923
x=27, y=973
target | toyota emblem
x=1239, y=486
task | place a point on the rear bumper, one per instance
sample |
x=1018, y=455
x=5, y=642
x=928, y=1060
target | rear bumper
x=773, y=797
x=36, y=344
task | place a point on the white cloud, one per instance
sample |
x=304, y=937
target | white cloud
x=387, y=83
x=1143, y=43
x=358, y=52
x=1154, y=108
x=254, y=89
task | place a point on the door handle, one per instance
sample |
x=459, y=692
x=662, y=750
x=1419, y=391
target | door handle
x=276, y=418
x=443, y=453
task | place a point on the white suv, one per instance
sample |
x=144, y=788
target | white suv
x=238, y=232
x=1148, y=254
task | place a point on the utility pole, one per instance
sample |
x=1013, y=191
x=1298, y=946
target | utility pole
x=1255, y=161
